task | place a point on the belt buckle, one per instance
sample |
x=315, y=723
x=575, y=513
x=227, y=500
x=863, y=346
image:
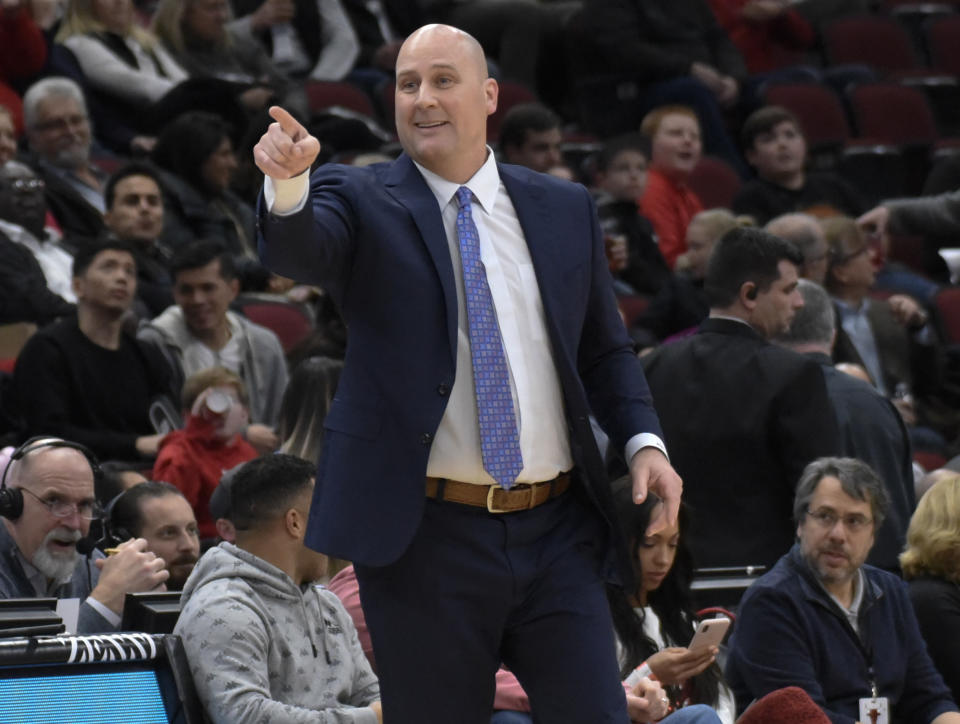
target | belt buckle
x=490, y=508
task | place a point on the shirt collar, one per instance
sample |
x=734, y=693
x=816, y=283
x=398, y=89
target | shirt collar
x=848, y=310
x=484, y=184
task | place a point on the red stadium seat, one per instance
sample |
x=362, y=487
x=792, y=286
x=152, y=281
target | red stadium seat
x=715, y=182
x=819, y=109
x=290, y=322
x=875, y=40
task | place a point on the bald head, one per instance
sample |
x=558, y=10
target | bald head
x=421, y=40
x=805, y=231
x=443, y=98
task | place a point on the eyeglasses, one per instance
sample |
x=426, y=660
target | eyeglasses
x=827, y=519
x=59, y=508
x=27, y=184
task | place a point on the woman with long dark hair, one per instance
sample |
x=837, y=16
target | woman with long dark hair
x=655, y=620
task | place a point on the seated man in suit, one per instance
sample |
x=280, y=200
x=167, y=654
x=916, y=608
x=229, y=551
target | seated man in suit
x=891, y=338
x=59, y=136
x=823, y=620
x=47, y=504
x=743, y=416
x=871, y=429
x=265, y=642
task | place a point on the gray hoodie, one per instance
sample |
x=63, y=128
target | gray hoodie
x=262, y=649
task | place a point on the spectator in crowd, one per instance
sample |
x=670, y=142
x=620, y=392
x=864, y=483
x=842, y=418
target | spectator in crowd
x=681, y=303
x=159, y=514
x=305, y=39
x=655, y=620
x=194, y=458
x=116, y=477
x=59, y=136
x=134, y=214
x=892, y=339
x=86, y=378
x=774, y=145
x=807, y=235
x=843, y=631
x=48, y=503
x=871, y=429
x=8, y=136
x=530, y=136
x=764, y=31
x=621, y=180
x=932, y=568
x=24, y=294
x=264, y=642
x=201, y=331
x=198, y=35
x=676, y=52
x=195, y=156
x=743, y=416
x=306, y=401
x=23, y=211
x=674, y=134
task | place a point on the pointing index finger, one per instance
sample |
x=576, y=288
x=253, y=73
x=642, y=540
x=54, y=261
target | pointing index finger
x=288, y=123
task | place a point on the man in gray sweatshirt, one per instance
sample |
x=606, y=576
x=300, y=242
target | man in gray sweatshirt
x=264, y=642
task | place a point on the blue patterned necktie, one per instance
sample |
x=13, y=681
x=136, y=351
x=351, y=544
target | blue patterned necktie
x=499, y=437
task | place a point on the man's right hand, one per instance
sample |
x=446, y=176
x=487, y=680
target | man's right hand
x=132, y=569
x=287, y=149
x=149, y=445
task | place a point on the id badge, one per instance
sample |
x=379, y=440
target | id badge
x=875, y=710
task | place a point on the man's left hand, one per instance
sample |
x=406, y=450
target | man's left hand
x=907, y=311
x=651, y=472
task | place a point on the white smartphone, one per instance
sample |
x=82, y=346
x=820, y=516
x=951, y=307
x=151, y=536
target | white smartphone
x=710, y=632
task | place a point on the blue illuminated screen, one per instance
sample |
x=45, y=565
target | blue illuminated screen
x=131, y=697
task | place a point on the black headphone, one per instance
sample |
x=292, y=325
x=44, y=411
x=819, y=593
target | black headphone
x=11, y=499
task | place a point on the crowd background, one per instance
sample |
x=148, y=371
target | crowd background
x=832, y=123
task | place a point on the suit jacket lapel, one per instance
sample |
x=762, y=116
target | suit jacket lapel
x=404, y=182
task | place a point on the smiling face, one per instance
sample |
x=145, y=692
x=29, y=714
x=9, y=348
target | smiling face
x=443, y=99
x=204, y=296
x=60, y=132
x=169, y=526
x=676, y=146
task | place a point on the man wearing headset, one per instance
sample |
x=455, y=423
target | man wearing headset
x=47, y=503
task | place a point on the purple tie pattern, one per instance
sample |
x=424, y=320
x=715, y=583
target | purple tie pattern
x=499, y=436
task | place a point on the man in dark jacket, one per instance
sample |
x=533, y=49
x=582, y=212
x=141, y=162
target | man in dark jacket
x=843, y=631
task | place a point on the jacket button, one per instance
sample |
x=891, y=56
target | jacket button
x=426, y=438
x=443, y=389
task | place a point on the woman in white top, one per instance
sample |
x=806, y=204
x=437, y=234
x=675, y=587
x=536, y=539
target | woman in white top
x=655, y=620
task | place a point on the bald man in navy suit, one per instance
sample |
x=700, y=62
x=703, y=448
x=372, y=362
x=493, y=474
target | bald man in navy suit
x=462, y=565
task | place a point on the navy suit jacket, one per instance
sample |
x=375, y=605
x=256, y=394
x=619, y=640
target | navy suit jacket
x=374, y=239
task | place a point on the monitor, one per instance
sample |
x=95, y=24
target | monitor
x=29, y=617
x=155, y=613
x=121, y=678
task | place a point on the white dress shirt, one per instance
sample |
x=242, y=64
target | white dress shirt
x=538, y=401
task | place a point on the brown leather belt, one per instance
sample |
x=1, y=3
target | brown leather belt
x=495, y=499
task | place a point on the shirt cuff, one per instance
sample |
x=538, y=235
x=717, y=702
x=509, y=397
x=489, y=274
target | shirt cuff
x=285, y=197
x=645, y=439
x=112, y=618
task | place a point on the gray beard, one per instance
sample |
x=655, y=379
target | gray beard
x=71, y=158
x=56, y=567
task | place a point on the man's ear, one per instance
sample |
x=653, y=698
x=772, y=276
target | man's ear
x=491, y=91
x=748, y=294
x=295, y=524
x=76, y=284
x=234, y=288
